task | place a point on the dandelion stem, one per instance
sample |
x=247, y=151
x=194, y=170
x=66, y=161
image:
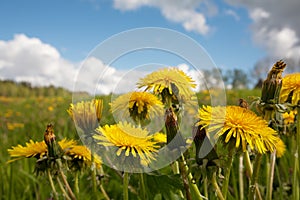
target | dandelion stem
x=298, y=138
x=241, y=177
x=248, y=163
x=125, y=186
x=271, y=175
x=76, y=184
x=52, y=184
x=216, y=186
x=205, y=187
x=63, y=176
x=227, y=175
x=62, y=188
x=191, y=180
x=104, y=192
x=142, y=183
x=254, y=177
x=185, y=179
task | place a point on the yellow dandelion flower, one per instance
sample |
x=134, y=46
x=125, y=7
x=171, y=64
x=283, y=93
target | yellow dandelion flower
x=138, y=105
x=160, y=137
x=32, y=149
x=173, y=79
x=129, y=140
x=280, y=148
x=66, y=144
x=13, y=125
x=290, y=89
x=37, y=149
x=84, y=154
x=86, y=114
x=240, y=126
x=289, y=117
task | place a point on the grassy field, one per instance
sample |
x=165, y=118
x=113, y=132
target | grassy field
x=25, y=118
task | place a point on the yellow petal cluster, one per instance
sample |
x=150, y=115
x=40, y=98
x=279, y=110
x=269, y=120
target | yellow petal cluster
x=173, y=79
x=241, y=126
x=290, y=86
x=86, y=114
x=138, y=104
x=130, y=140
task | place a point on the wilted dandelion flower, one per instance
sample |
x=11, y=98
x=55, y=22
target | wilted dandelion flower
x=86, y=114
x=290, y=90
x=84, y=155
x=239, y=126
x=129, y=140
x=169, y=82
x=138, y=105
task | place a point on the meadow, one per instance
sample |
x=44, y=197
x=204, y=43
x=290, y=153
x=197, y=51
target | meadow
x=24, y=118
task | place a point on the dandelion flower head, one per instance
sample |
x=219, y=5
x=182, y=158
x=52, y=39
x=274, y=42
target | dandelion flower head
x=172, y=79
x=86, y=114
x=138, y=105
x=290, y=86
x=239, y=126
x=129, y=140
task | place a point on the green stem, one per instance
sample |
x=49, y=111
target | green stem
x=241, y=178
x=185, y=179
x=142, y=183
x=52, y=184
x=271, y=176
x=176, y=170
x=11, y=182
x=125, y=186
x=279, y=183
x=254, y=177
x=216, y=186
x=192, y=182
x=227, y=175
x=104, y=192
x=63, y=177
x=94, y=173
x=248, y=163
x=205, y=185
x=76, y=184
x=62, y=189
x=298, y=137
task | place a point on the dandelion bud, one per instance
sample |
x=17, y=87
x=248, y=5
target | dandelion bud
x=199, y=134
x=54, y=149
x=174, y=137
x=272, y=85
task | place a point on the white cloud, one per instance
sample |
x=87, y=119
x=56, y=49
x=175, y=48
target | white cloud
x=29, y=59
x=276, y=27
x=184, y=12
x=230, y=12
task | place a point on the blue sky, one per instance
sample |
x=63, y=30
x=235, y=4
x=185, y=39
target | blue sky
x=233, y=32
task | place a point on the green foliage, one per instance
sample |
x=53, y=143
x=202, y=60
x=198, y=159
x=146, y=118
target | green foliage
x=25, y=112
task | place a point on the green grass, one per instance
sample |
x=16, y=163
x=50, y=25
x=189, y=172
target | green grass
x=17, y=180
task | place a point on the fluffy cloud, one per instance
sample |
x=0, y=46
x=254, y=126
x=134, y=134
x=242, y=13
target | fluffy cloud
x=29, y=59
x=276, y=27
x=184, y=12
